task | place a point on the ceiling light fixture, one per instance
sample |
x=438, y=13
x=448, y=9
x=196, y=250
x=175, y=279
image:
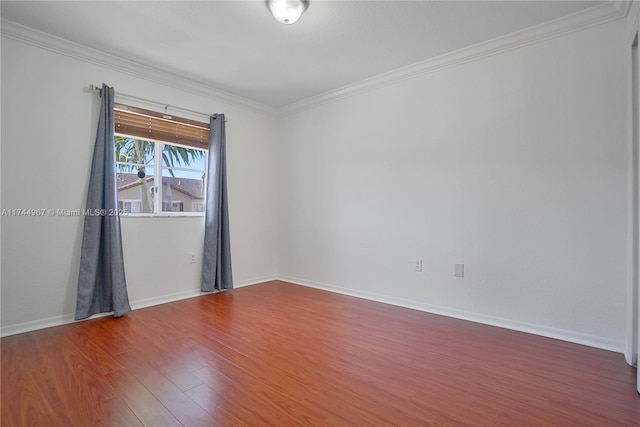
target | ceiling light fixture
x=287, y=11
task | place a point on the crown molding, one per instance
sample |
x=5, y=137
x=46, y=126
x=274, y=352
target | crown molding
x=587, y=18
x=593, y=16
x=633, y=20
x=21, y=33
x=623, y=6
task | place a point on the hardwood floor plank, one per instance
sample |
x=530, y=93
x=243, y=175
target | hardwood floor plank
x=28, y=386
x=211, y=402
x=115, y=413
x=256, y=403
x=171, y=354
x=84, y=337
x=284, y=355
x=23, y=403
x=318, y=384
x=113, y=335
x=271, y=372
x=171, y=397
x=71, y=399
x=341, y=369
x=147, y=408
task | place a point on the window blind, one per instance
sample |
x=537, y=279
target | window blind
x=151, y=125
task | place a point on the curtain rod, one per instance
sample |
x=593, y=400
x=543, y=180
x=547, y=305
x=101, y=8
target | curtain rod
x=97, y=88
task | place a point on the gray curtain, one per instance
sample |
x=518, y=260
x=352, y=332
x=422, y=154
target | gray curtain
x=102, y=286
x=216, y=260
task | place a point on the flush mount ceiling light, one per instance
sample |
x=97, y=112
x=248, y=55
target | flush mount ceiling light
x=287, y=11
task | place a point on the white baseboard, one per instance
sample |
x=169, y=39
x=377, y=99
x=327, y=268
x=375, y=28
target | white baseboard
x=64, y=319
x=34, y=325
x=561, y=334
x=150, y=302
x=545, y=331
x=254, y=281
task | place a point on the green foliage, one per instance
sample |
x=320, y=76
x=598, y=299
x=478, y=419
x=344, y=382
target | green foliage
x=134, y=155
x=179, y=156
x=135, y=152
x=139, y=154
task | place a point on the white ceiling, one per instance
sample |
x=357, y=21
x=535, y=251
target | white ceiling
x=237, y=47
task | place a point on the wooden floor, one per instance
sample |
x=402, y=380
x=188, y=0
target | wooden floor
x=285, y=355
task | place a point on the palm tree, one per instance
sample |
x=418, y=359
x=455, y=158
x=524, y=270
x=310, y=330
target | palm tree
x=135, y=155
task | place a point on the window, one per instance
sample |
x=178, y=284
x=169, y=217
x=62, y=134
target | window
x=130, y=206
x=160, y=163
x=197, y=206
x=173, y=206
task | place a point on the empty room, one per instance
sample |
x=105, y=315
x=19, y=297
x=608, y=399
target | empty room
x=319, y=213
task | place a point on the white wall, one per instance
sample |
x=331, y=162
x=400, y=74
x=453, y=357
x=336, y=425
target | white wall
x=633, y=318
x=48, y=130
x=514, y=164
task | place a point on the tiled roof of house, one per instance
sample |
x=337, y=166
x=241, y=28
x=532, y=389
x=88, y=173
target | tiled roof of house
x=189, y=186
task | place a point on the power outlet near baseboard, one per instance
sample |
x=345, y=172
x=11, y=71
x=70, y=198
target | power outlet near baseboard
x=458, y=270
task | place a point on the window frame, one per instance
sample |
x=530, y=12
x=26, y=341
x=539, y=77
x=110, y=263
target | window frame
x=163, y=129
x=158, y=190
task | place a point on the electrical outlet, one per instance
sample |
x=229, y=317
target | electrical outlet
x=458, y=270
x=192, y=258
x=417, y=266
